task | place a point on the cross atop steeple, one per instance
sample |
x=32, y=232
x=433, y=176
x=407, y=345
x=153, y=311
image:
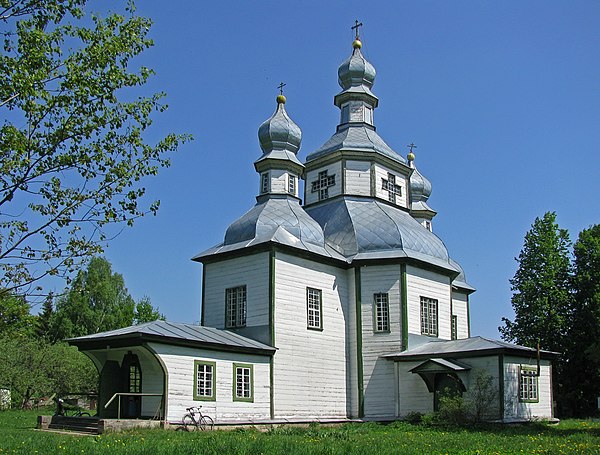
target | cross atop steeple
x=411, y=147
x=356, y=26
x=280, y=87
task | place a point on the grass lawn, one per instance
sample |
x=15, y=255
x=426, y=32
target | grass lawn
x=17, y=435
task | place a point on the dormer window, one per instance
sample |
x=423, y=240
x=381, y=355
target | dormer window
x=264, y=182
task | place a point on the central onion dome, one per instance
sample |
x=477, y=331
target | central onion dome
x=279, y=132
x=356, y=70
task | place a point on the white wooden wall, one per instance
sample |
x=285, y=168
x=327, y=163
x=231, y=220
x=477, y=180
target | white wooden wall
x=179, y=362
x=309, y=365
x=378, y=374
x=425, y=283
x=413, y=395
x=513, y=408
x=252, y=271
x=459, y=308
x=278, y=181
x=334, y=168
x=358, y=178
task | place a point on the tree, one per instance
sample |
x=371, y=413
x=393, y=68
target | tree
x=97, y=301
x=145, y=312
x=15, y=319
x=542, y=298
x=73, y=154
x=35, y=368
x=583, y=372
x=541, y=288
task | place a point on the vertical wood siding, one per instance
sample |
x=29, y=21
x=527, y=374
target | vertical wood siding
x=378, y=374
x=358, y=178
x=513, y=408
x=459, y=308
x=179, y=362
x=309, y=365
x=252, y=271
x=435, y=286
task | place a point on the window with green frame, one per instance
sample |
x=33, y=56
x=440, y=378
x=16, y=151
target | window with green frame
x=454, y=328
x=429, y=316
x=243, y=382
x=381, y=312
x=528, y=384
x=204, y=380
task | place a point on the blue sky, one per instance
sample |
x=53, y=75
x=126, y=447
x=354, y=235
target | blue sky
x=501, y=98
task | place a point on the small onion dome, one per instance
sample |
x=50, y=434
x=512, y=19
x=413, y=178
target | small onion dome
x=279, y=132
x=420, y=187
x=356, y=70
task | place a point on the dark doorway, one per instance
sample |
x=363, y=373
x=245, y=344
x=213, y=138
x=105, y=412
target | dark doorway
x=446, y=385
x=110, y=383
x=131, y=374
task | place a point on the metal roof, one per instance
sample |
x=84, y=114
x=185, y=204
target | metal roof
x=277, y=219
x=365, y=228
x=356, y=137
x=463, y=347
x=176, y=333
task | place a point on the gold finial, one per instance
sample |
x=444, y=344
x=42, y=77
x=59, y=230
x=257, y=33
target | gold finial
x=356, y=44
x=411, y=155
x=280, y=97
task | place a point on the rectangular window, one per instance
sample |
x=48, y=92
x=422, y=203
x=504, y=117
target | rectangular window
x=313, y=308
x=235, y=307
x=368, y=115
x=528, y=384
x=454, y=329
x=243, y=388
x=292, y=184
x=264, y=182
x=429, y=316
x=382, y=312
x=204, y=380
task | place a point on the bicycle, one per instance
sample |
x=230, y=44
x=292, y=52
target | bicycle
x=61, y=410
x=192, y=423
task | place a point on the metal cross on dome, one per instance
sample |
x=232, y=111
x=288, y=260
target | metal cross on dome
x=356, y=26
x=280, y=87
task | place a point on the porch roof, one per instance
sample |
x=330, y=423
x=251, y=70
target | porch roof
x=466, y=347
x=174, y=334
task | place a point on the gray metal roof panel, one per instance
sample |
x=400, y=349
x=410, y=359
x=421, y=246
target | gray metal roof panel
x=179, y=331
x=364, y=228
x=356, y=136
x=456, y=347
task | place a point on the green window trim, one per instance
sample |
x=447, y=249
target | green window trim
x=381, y=312
x=454, y=327
x=429, y=317
x=213, y=372
x=529, y=391
x=244, y=370
x=236, y=307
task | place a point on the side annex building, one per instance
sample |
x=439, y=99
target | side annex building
x=345, y=307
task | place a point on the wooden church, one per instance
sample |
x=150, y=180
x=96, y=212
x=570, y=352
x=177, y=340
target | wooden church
x=345, y=307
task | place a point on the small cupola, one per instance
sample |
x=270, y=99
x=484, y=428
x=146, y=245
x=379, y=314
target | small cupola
x=420, y=190
x=279, y=139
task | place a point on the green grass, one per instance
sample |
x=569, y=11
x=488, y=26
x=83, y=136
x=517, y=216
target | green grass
x=17, y=435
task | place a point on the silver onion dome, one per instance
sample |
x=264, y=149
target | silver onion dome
x=356, y=70
x=279, y=132
x=420, y=187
